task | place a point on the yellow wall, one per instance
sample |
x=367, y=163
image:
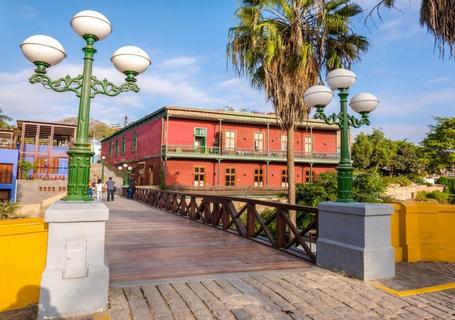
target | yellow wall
x=423, y=231
x=23, y=246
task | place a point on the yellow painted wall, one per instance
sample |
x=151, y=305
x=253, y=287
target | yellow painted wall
x=423, y=231
x=23, y=246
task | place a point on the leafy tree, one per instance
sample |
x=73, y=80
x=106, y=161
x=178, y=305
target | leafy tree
x=439, y=145
x=284, y=45
x=439, y=18
x=368, y=186
x=97, y=129
x=4, y=120
x=373, y=151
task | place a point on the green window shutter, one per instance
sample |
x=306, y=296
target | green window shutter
x=123, y=145
x=134, y=143
x=116, y=147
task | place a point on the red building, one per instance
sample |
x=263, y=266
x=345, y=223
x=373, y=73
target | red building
x=187, y=148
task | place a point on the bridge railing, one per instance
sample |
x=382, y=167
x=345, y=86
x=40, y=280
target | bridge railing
x=267, y=222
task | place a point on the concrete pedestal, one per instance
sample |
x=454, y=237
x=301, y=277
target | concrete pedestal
x=76, y=278
x=355, y=238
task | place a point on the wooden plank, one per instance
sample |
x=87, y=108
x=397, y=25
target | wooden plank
x=138, y=305
x=145, y=243
x=178, y=307
x=120, y=309
x=158, y=305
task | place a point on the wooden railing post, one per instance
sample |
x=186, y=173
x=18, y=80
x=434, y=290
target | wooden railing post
x=251, y=220
x=281, y=228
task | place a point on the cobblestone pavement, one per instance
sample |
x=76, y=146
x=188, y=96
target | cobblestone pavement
x=421, y=274
x=310, y=293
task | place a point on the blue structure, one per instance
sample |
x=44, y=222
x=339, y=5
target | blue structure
x=8, y=163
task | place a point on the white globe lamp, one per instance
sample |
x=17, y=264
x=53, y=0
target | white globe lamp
x=119, y=168
x=41, y=49
x=89, y=22
x=131, y=59
x=341, y=79
x=318, y=96
x=364, y=102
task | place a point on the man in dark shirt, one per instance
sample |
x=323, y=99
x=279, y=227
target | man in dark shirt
x=110, y=187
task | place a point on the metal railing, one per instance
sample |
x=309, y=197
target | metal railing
x=239, y=152
x=266, y=222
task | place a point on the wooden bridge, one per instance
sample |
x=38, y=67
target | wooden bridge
x=178, y=256
x=144, y=242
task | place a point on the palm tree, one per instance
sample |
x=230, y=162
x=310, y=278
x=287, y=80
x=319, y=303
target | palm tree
x=284, y=46
x=439, y=18
x=4, y=120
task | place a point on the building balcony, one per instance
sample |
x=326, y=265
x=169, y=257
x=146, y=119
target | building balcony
x=189, y=151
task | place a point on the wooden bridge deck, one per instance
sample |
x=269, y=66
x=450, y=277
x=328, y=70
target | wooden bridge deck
x=147, y=244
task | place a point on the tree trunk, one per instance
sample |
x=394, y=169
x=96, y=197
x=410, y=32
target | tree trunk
x=291, y=175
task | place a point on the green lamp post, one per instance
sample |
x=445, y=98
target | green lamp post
x=363, y=103
x=102, y=168
x=125, y=171
x=45, y=51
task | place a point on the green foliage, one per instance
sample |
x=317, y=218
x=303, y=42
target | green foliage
x=375, y=151
x=439, y=145
x=8, y=210
x=25, y=168
x=441, y=197
x=4, y=120
x=449, y=183
x=367, y=187
x=323, y=189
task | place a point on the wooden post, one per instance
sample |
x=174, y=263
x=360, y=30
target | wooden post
x=251, y=220
x=281, y=228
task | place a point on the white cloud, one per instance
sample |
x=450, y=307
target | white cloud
x=178, y=62
x=185, y=85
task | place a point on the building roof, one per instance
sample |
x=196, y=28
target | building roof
x=221, y=115
x=20, y=122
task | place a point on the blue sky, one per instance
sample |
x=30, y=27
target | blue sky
x=186, y=41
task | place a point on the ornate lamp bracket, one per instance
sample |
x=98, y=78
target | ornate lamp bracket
x=69, y=83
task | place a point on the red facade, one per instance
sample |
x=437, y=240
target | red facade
x=193, y=148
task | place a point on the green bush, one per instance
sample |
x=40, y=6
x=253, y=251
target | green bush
x=441, y=197
x=8, y=210
x=449, y=183
x=368, y=186
x=25, y=168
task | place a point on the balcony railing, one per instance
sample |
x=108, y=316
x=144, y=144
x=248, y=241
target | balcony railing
x=182, y=150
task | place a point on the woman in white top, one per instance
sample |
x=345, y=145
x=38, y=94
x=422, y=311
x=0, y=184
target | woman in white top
x=99, y=190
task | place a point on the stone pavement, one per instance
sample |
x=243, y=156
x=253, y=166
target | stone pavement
x=421, y=274
x=309, y=293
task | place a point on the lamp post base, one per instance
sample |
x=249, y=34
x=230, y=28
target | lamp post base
x=344, y=176
x=75, y=281
x=79, y=173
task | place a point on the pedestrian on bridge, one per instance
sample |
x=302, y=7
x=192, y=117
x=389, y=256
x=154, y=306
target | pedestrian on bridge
x=110, y=187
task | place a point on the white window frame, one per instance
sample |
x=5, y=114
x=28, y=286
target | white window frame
x=258, y=141
x=229, y=141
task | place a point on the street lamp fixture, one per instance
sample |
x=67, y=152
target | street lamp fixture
x=363, y=103
x=125, y=172
x=44, y=52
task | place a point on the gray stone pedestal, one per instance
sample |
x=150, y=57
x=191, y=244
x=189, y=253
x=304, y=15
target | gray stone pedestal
x=355, y=238
x=76, y=278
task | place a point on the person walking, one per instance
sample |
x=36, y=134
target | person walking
x=91, y=187
x=131, y=188
x=99, y=190
x=110, y=187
